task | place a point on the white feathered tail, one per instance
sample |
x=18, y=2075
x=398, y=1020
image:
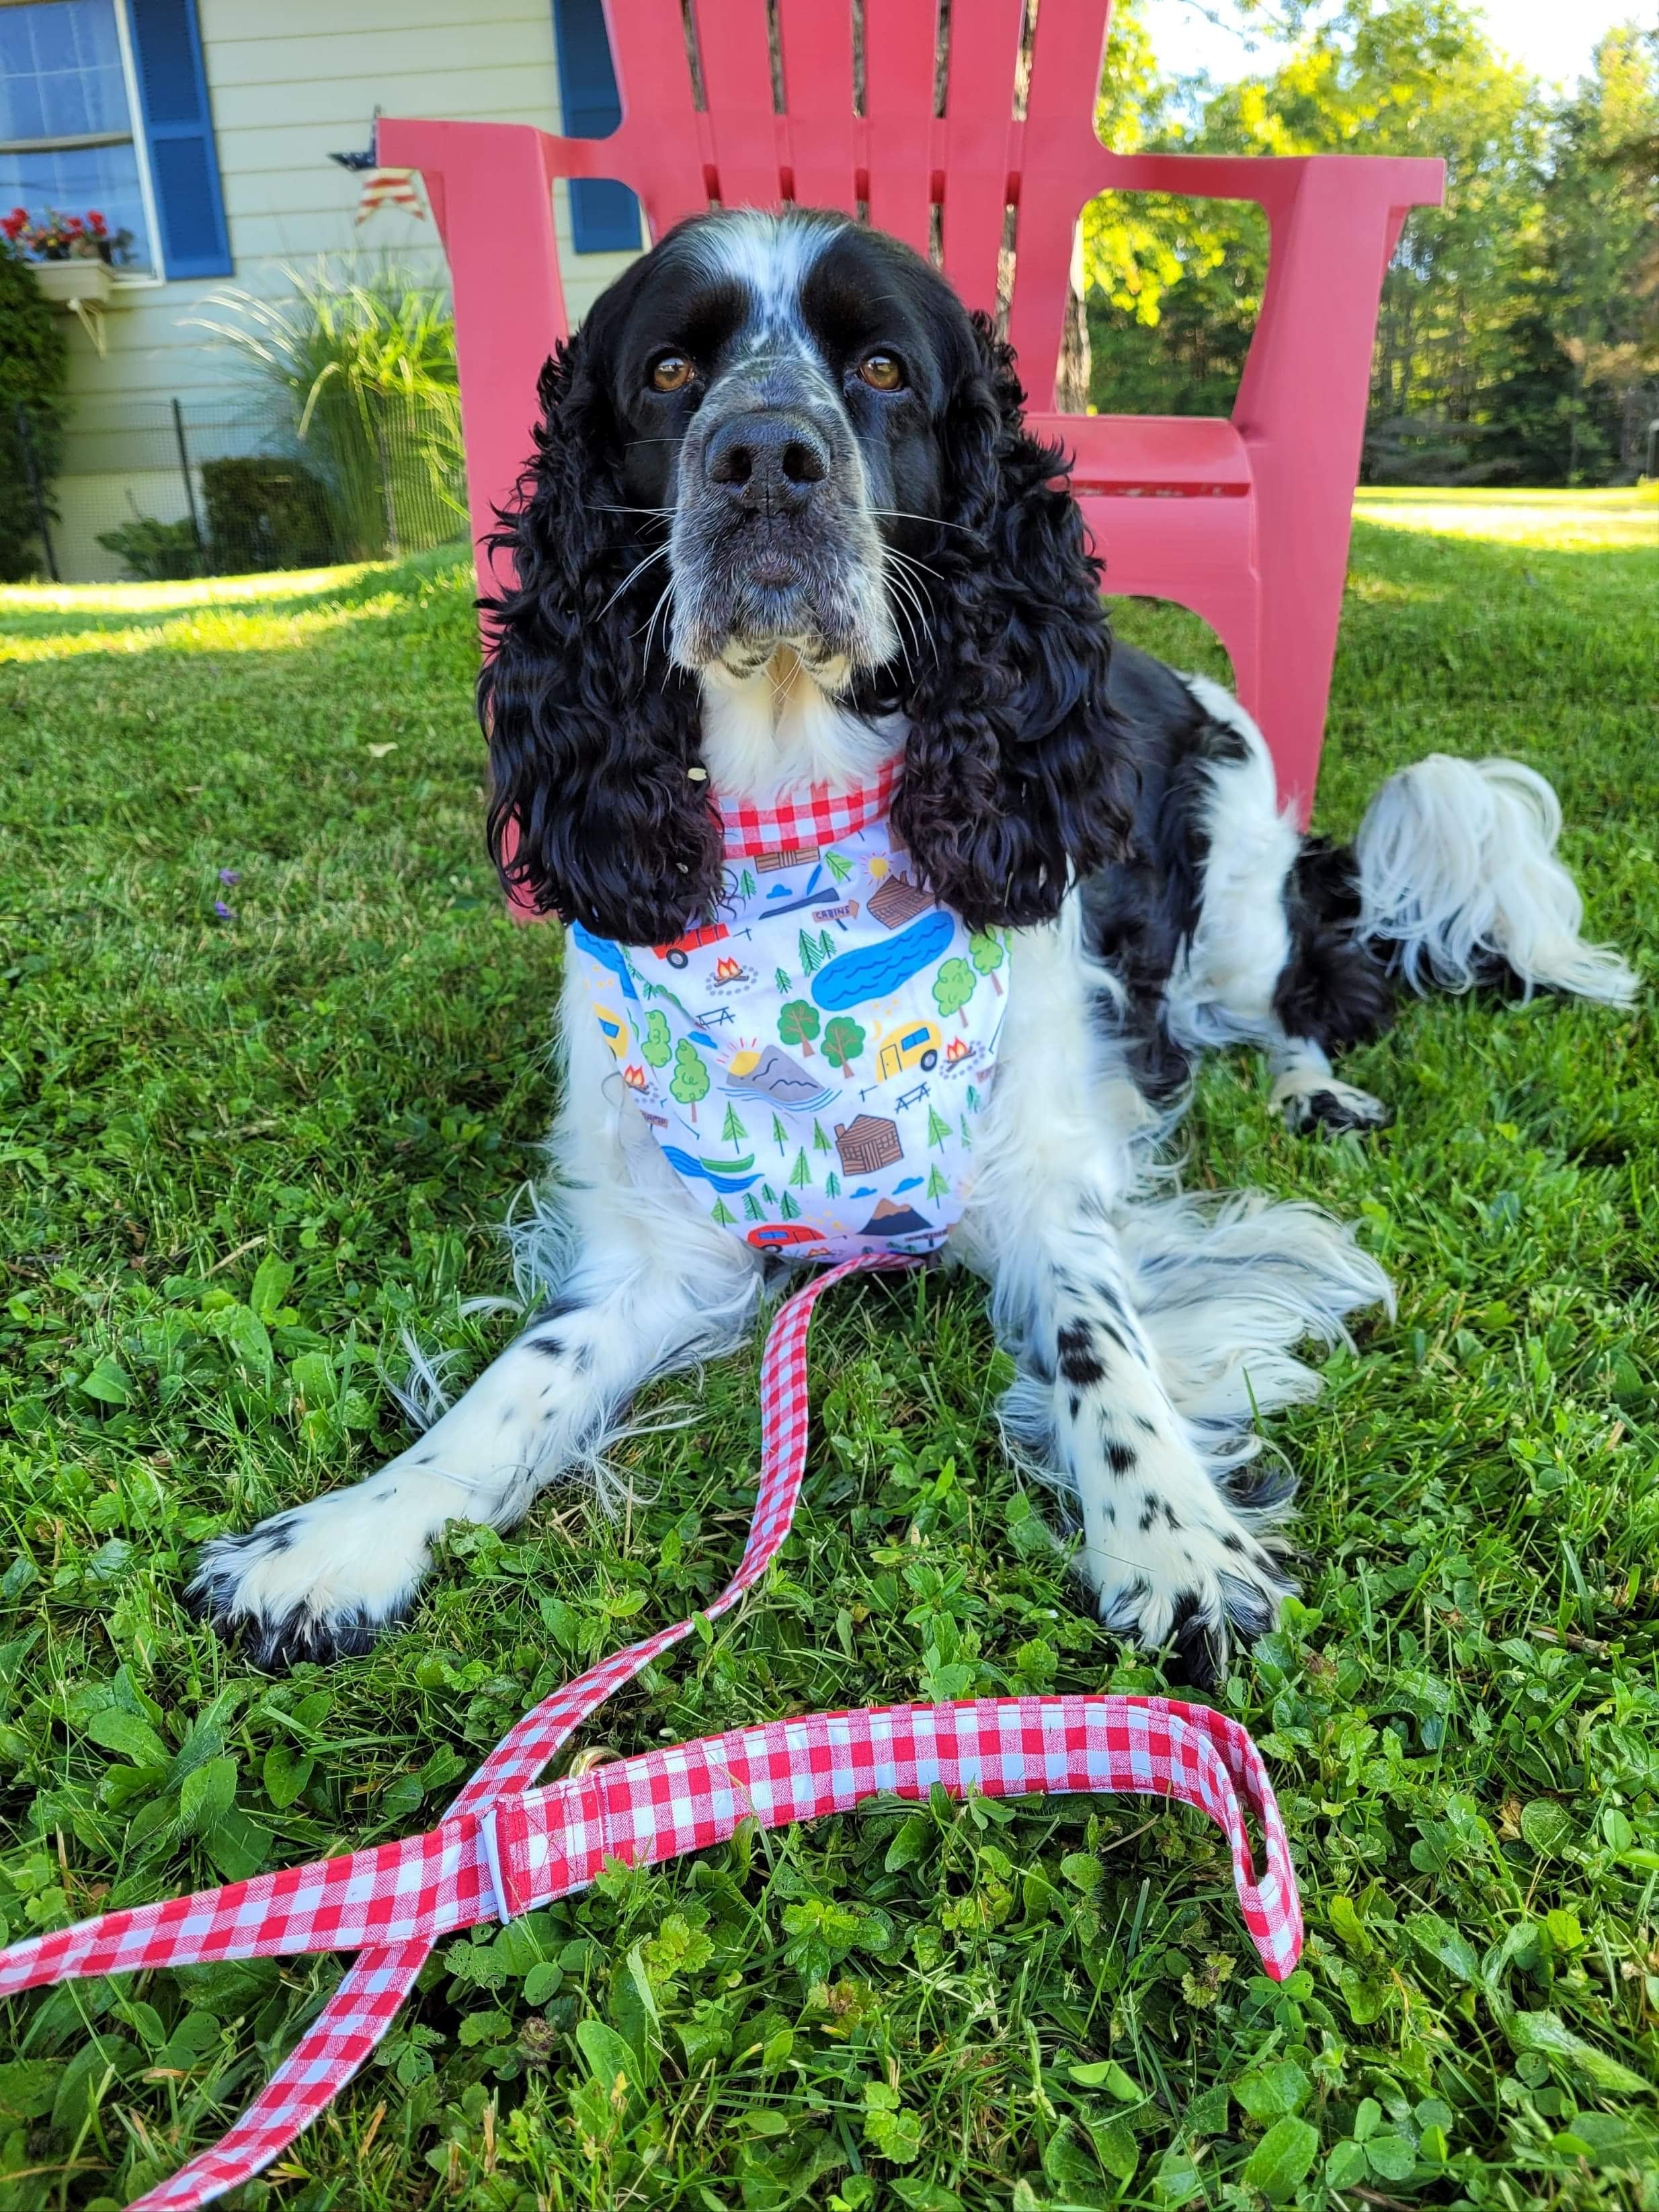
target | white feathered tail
x=1458, y=864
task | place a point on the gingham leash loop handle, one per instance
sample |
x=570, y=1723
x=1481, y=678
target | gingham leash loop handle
x=504, y=1847
x=533, y=1848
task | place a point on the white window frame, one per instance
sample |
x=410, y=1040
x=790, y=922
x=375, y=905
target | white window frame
x=135, y=280
x=142, y=280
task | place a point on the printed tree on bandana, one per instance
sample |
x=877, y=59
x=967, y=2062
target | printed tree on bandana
x=954, y=984
x=937, y=1183
x=655, y=1043
x=798, y=1023
x=838, y=865
x=938, y=1129
x=690, y=1080
x=731, y=1129
x=723, y=1214
x=988, y=952
x=844, y=1041
x=800, y=1174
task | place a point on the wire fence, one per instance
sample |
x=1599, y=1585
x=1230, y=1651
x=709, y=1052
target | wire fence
x=158, y=490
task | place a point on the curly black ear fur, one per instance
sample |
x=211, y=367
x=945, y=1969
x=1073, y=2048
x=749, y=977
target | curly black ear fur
x=594, y=816
x=1015, y=776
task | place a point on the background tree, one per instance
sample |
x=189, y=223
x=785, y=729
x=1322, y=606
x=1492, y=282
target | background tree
x=1518, y=336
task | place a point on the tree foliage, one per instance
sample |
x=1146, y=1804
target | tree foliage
x=1518, y=336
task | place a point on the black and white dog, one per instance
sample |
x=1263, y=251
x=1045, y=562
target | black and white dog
x=783, y=525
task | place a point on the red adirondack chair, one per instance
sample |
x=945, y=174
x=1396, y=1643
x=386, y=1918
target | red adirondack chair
x=1245, y=521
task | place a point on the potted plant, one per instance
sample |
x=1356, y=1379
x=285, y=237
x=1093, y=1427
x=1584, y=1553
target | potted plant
x=71, y=255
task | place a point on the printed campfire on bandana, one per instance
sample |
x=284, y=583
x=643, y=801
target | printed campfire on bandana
x=814, y=1059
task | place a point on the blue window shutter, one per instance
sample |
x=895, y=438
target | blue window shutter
x=604, y=217
x=183, y=162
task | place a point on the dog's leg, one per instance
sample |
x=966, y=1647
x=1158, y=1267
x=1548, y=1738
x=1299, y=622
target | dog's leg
x=1311, y=1096
x=1273, y=959
x=648, y=1286
x=1170, y=1556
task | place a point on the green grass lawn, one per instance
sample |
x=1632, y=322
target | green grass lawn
x=243, y=1152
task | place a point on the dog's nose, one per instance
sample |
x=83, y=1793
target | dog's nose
x=767, y=461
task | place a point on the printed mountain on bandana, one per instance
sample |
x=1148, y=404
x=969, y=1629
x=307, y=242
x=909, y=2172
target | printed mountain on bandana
x=813, y=1059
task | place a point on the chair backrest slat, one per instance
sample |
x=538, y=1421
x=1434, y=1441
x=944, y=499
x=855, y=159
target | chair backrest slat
x=734, y=46
x=1059, y=147
x=823, y=136
x=668, y=153
x=899, y=46
x=981, y=143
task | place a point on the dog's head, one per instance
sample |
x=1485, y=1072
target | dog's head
x=787, y=432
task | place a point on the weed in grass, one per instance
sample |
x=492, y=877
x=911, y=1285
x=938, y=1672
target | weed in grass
x=245, y=1151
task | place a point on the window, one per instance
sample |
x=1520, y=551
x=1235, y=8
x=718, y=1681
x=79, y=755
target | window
x=67, y=139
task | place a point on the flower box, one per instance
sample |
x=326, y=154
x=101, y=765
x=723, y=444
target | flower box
x=72, y=283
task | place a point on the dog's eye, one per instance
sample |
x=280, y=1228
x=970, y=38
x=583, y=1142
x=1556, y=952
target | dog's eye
x=671, y=372
x=881, y=372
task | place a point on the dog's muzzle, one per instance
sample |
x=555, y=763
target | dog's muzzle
x=773, y=541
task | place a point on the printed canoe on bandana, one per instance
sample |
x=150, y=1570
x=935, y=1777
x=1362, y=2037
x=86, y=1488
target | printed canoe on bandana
x=813, y=1060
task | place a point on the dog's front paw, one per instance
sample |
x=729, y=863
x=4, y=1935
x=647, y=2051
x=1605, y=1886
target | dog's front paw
x=1190, y=1583
x=1310, y=1102
x=319, y=1581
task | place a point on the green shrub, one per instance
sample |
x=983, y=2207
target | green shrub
x=33, y=369
x=155, y=552
x=266, y=513
x=366, y=363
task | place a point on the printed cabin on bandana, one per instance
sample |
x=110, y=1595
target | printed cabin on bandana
x=814, y=1058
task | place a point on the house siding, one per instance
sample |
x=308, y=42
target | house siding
x=289, y=86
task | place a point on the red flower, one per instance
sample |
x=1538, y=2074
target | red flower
x=94, y=222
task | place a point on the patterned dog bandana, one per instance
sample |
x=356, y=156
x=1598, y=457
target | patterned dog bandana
x=812, y=1059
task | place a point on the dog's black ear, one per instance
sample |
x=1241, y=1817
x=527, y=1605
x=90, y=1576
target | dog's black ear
x=1016, y=774
x=592, y=730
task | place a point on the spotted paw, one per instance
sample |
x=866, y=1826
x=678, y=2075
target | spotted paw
x=1323, y=1103
x=321, y=1581
x=1189, y=1581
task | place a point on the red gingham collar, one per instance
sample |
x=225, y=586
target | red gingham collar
x=815, y=816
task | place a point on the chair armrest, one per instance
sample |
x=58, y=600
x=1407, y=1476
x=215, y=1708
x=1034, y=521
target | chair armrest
x=419, y=143
x=1277, y=181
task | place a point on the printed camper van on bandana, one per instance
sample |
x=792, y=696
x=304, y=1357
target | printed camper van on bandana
x=813, y=1060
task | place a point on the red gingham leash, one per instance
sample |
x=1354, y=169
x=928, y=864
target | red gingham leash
x=504, y=1847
